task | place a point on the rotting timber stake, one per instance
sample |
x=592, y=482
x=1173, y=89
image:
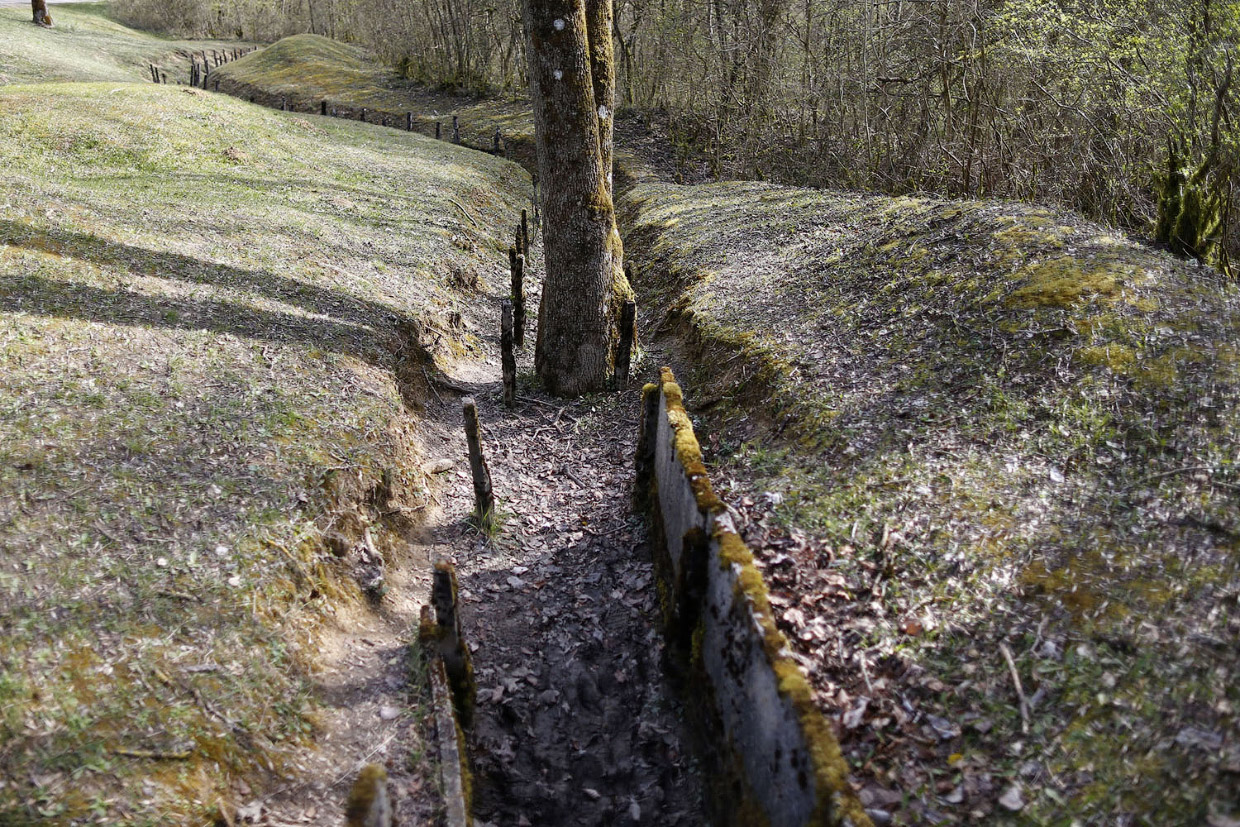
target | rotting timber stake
x=516, y=263
x=445, y=630
x=628, y=324
x=484, y=498
x=506, y=356
x=525, y=233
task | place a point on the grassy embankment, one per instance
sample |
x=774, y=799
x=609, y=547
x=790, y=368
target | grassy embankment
x=1009, y=426
x=306, y=69
x=209, y=313
x=85, y=46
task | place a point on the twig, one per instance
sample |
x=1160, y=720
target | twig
x=1020, y=692
x=592, y=533
x=462, y=209
x=179, y=755
x=1186, y=469
x=865, y=673
x=431, y=384
x=537, y=401
x=568, y=472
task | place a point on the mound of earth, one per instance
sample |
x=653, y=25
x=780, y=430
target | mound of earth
x=216, y=327
x=303, y=71
x=989, y=453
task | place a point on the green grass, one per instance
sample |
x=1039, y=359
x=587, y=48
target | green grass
x=205, y=368
x=84, y=45
x=1028, y=421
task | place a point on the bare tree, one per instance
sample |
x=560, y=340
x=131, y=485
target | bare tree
x=585, y=288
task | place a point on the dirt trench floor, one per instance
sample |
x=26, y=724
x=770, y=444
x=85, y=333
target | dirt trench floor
x=576, y=722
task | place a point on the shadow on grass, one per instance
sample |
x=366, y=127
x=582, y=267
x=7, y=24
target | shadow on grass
x=350, y=311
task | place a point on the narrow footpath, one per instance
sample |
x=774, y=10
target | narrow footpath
x=576, y=721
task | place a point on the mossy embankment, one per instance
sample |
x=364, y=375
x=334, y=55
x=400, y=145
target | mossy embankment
x=85, y=45
x=214, y=319
x=998, y=426
x=304, y=70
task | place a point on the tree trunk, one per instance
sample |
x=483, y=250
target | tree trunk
x=585, y=288
x=603, y=74
x=40, y=13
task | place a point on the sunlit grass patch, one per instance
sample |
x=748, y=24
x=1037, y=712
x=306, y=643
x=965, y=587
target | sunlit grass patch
x=207, y=315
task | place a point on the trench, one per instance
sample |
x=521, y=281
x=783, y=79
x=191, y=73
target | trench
x=579, y=719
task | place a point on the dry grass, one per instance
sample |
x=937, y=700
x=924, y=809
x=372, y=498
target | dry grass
x=979, y=424
x=207, y=311
x=306, y=69
x=85, y=45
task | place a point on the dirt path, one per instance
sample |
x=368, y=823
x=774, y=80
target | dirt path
x=576, y=722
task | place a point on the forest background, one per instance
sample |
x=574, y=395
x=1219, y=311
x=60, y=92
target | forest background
x=1123, y=110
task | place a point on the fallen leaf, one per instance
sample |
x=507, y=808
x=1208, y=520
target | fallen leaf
x=1012, y=800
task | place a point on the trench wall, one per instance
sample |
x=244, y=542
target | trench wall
x=763, y=719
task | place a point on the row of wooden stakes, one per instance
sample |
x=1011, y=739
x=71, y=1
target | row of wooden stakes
x=198, y=72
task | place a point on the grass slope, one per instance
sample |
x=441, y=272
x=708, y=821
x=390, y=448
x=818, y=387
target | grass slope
x=207, y=317
x=306, y=69
x=1003, y=425
x=85, y=45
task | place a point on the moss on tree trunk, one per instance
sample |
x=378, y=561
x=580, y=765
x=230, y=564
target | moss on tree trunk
x=584, y=288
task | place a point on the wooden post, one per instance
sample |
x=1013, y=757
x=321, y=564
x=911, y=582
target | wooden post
x=323, y=108
x=444, y=634
x=363, y=116
x=628, y=322
x=408, y=121
x=495, y=141
x=154, y=74
x=537, y=217
x=163, y=77
x=283, y=104
x=438, y=129
x=508, y=361
x=484, y=499
x=517, y=263
x=217, y=84
x=525, y=234
x=456, y=130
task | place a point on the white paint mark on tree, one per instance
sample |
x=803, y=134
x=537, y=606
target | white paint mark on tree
x=602, y=111
x=559, y=24
x=558, y=74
